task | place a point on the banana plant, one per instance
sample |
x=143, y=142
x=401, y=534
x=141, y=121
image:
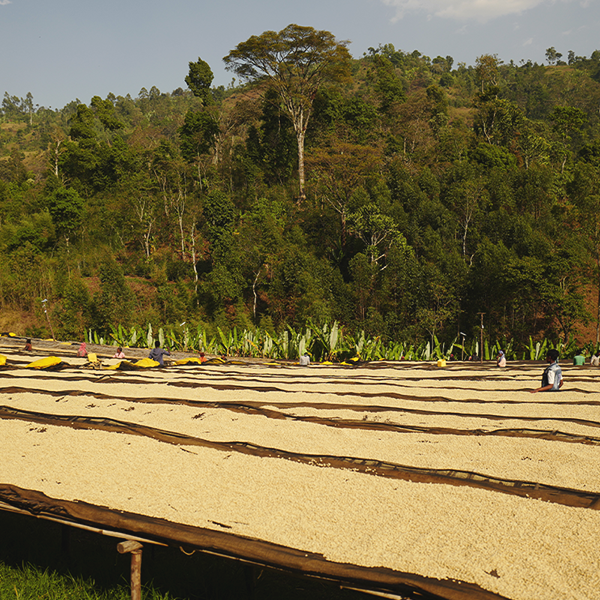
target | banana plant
x=149, y=337
x=226, y=341
x=326, y=342
x=283, y=345
x=267, y=346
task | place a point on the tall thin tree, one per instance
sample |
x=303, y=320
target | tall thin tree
x=295, y=62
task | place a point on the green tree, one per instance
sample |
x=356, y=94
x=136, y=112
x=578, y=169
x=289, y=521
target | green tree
x=13, y=107
x=295, y=62
x=584, y=190
x=83, y=124
x=262, y=230
x=104, y=111
x=13, y=170
x=72, y=311
x=272, y=145
x=566, y=120
x=552, y=56
x=114, y=303
x=66, y=208
x=199, y=134
x=363, y=273
x=486, y=71
x=199, y=80
x=220, y=214
x=497, y=120
x=388, y=85
x=376, y=230
x=466, y=196
x=338, y=170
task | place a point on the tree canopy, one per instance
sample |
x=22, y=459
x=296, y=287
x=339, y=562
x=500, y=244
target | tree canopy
x=431, y=192
x=295, y=62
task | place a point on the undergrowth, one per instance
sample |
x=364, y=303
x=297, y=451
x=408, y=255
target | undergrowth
x=28, y=582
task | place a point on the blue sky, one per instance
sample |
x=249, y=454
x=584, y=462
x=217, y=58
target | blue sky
x=61, y=50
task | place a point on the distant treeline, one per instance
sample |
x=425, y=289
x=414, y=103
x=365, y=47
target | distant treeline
x=428, y=193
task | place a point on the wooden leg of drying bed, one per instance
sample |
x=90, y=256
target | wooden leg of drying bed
x=136, y=575
x=135, y=548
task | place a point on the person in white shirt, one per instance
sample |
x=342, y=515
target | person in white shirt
x=552, y=379
x=305, y=360
x=501, y=359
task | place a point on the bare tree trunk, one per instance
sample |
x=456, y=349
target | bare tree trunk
x=141, y=208
x=147, y=235
x=180, y=210
x=56, y=155
x=254, y=292
x=193, y=253
x=301, y=134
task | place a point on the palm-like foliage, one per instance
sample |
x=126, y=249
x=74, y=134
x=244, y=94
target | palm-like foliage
x=325, y=342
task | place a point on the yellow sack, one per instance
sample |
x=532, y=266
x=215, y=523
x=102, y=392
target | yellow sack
x=215, y=361
x=92, y=357
x=2, y=360
x=146, y=363
x=44, y=363
x=126, y=365
x=441, y=363
x=187, y=361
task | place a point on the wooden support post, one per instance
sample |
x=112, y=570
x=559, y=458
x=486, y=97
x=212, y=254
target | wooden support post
x=135, y=548
x=481, y=339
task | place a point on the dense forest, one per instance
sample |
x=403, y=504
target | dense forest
x=423, y=194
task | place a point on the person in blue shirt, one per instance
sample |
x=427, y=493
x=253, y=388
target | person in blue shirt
x=552, y=379
x=157, y=353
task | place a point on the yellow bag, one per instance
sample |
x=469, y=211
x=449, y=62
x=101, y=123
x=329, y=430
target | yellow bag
x=146, y=363
x=126, y=365
x=44, y=363
x=187, y=361
x=2, y=360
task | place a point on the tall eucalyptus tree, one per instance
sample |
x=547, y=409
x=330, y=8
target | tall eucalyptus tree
x=295, y=62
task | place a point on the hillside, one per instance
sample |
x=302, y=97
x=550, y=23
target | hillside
x=433, y=192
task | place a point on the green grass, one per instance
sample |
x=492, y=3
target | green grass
x=29, y=582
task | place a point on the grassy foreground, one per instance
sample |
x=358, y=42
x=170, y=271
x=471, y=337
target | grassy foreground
x=29, y=582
